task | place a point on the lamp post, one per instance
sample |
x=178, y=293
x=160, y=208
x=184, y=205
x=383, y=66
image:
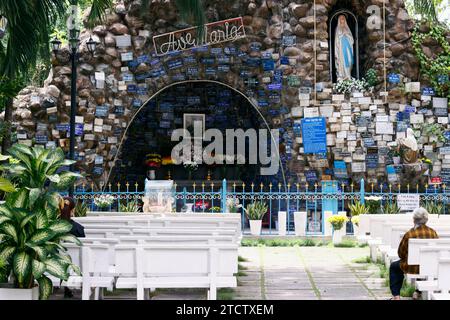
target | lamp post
x=74, y=34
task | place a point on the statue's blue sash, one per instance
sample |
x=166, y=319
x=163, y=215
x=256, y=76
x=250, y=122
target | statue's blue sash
x=347, y=50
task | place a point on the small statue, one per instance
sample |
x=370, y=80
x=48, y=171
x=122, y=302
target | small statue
x=408, y=148
x=343, y=49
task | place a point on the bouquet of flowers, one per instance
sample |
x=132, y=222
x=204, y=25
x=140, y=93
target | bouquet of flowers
x=190, y=165
x=233, y=205
x=104, y=200
x=153, y=160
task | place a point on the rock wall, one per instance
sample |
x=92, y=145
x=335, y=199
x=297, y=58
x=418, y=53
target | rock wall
x=124, y=73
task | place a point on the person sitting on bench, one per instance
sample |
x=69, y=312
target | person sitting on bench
x=399, y=268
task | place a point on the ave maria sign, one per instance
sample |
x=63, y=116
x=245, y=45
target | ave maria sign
x=214, y=33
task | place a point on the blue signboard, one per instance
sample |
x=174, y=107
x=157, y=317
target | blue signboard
x=393, y=78
x=274, y=86
x=101, y=111
x=174, y=64
x=314, y=135
x=284, y=60
x=268, y=64
x=340, y=170
x=428, y=91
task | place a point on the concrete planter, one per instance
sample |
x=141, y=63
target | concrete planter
x=19, y=294
x=282, y=223
x=300, y=223
x=255, y=227
x=355, y=230
x=337, y=235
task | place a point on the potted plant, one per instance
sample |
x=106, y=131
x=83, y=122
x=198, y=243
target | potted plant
x=81, y=209
x=103, y=201
x=358, y=208
x=255, y=212
x=130, y=207
x=30, y=230
x=233, y=205
x=337, y=222
x=190, y=166
x=373, y=204
x=355, y=223
x=391, y=208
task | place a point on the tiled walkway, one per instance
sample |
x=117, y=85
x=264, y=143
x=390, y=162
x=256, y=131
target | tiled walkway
x=305, y=273
x=292, y=273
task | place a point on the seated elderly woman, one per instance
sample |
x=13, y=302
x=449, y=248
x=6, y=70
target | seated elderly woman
x=399, y=268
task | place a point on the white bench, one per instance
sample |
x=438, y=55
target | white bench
x=158, y=266
x=428, y=262
x=95, y=267
x=443, y=280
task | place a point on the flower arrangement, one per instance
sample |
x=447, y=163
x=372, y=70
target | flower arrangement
x=153, y=160
x=202, y=205
x=337, y=221
x=104, y=200
x=190, y=165
x=351, y=85
x=167, y=161
x=233, y=205
x=358, y=208
x=256, y=210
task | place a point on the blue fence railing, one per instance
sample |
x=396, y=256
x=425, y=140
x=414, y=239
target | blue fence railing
x=329, y=196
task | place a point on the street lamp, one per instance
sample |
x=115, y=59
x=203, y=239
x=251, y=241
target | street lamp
x=74, y=42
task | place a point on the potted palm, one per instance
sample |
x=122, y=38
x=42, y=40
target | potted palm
x=337, y=222
x=255, y=212
x=31, y=234
x=357, y=209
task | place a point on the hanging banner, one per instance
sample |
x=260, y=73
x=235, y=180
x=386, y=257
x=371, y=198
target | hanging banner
x=185, y=39
x=314, y=134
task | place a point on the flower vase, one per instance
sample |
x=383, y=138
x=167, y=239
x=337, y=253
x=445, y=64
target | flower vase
x=337, y=235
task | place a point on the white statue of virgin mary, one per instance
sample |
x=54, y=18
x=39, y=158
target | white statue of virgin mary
x=343, y=49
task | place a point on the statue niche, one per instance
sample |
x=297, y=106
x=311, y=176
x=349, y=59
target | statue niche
x=344, y=52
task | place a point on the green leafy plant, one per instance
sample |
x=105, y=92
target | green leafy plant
x=256, y=210
x=337, y=221
x=439, y=63
x=391, y=208
x=350, y=85
x=358, y=208
x=129, y=207
x=81, y=209
x=373, y=204
x=216, y=209
x=433, y=207
x=30, y=230
x=432, y=130
x=371, y=78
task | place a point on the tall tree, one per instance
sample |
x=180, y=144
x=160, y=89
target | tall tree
x=30, y=23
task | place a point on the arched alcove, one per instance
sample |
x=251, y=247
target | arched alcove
x=168, y=108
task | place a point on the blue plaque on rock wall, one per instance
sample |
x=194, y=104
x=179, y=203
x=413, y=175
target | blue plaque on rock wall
x=268, y=64
x=143, y=59
x=314, y=135
x=216, y=51
x=393, y=78
x=230, y=51
x=208, y=60
x=274, y=86
x=175, y=64
x=340, y=170
x=428, y=91
x=284, y=60
x=101, y=111
x=223, y=68
x=210, y=71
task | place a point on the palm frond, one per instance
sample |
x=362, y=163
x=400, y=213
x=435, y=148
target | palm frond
x=98, y=10
x=426, y=8
x=192, y=11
